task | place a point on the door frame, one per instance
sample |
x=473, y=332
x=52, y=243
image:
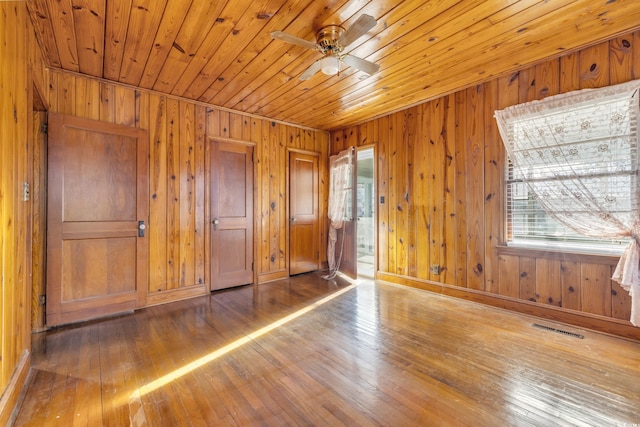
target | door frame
x=288, y=207
x=37, y=178
x=208, y=218
x=376, y=206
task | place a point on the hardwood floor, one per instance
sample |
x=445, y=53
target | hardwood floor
x=300, y=352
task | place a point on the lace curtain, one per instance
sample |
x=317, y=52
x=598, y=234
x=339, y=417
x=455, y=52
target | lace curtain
x=340, y=177
x=578, y=155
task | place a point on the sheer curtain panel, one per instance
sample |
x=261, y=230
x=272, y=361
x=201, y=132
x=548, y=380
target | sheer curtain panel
x=340, y=177
x=577, y=153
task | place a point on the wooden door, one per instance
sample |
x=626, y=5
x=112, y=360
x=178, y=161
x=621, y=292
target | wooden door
x=232, y=215
x=304, y=239
x=98, y=203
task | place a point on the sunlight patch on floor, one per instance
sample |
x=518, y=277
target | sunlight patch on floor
x=134, y=398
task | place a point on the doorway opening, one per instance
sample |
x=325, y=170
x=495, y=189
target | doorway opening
x=365, y=212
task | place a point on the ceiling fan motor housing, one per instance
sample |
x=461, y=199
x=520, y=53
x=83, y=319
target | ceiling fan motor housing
x=327, y=38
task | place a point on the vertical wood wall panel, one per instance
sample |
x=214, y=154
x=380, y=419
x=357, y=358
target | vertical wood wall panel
x=493, y=189
x=436, y=176
x=402, y=193
x=570, y=284
x=274, y=199
x=158, y=191
x=22, y=73
x=260, y=134
x=569, y=74
x=620, y=301
x=460, y=158
x=382, y=188
x=187, y=195
x=509, y=276
x=198, y=188
x=441, y=169
x=634, y=39
x=107, y=101
x=125, y=106
x=596, y=289
x=548, y=287
x=475, y=188
x=283, y=223
x=413, y=142
x=620, y=60
x=173, y=195
x=594, y=66
x=528, y=279
x=422, y=194
x=449, y=199
x=14, y=136
x=392, y=203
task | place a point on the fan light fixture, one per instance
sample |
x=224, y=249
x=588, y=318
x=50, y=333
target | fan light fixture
x=331, y=42
x=330, y=65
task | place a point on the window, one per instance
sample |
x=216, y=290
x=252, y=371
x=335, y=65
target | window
x=572, y=169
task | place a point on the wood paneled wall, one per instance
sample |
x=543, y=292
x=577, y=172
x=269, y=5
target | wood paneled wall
x=440, y=169
x=180, y=132
x=21, y=66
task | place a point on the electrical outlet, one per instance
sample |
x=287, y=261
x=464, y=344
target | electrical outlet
x=435, y=269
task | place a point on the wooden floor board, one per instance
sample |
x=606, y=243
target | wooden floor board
x=377, y=354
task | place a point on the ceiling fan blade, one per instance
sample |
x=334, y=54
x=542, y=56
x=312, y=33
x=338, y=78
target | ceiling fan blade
x=363, y=24
x=280, y=35
x=309, y=72
x=361, y=64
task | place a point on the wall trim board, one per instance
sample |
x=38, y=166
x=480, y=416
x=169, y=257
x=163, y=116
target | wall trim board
x=17, y=387
x=181, y=98
x=272, y=276
x=611, y=326
x=175, y=295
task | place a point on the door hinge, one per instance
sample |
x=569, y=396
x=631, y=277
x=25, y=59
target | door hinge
x=251, y=266
x=253, y=157
x=44, y=127
x=42, y=300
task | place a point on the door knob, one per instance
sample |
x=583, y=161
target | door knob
x=293, y=219
x=215, y=223
x=141, y=228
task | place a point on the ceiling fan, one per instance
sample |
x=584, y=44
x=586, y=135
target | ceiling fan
x=331, y=41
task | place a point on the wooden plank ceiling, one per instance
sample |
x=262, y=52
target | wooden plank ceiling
x=221, y=53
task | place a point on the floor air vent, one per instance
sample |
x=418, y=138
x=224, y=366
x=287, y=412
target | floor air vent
x=560, y=331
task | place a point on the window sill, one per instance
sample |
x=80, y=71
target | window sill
x=539, y=251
